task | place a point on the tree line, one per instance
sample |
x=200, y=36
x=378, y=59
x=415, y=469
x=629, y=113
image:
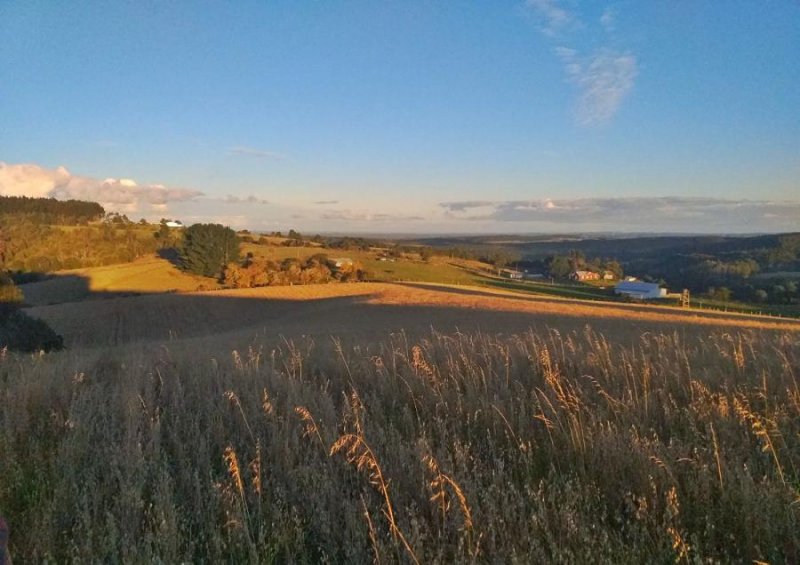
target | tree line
x=28, y=246
x=50, y=210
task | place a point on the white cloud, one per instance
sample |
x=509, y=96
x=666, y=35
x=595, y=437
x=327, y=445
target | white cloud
x=232, y=199
x=606, y=76
x=362, y=216
x=467, y=205
x=122, y=195
x=30, y=180
x=604, y=80
x=670, y=213
x=253, y=152
x=554, y=17
x=608, y=19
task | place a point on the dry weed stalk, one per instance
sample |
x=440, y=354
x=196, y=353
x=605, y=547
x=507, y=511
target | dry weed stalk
x=266, y=403
x=234, y=470
x=508, y=427
x=437, y=485
x=357, y=452
x=237, y=360
x=233, y=398
x=255, y=469
x=759, y=426
x=310, y=426
x=420, y=365
x=679, y=544
x=373, y=537
x=738, y=353
x=716, y=456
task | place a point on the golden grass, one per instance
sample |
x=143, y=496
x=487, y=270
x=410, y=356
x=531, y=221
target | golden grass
x=548, y=446
x=146, y=275
x=230, y=317
x=438, y=269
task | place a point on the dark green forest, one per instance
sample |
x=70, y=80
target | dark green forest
x=50, y=210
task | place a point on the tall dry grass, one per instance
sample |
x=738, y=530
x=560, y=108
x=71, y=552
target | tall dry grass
x=464, y=447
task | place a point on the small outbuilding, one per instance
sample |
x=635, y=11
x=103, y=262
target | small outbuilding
x=533, y=276
x=340, y=262
x=585, y=276
x=640, y=290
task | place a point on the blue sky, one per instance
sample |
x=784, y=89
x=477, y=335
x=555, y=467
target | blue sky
x=482, y=116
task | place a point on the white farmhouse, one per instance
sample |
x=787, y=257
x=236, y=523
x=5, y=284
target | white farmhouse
x=174, y=224
x=640, y=290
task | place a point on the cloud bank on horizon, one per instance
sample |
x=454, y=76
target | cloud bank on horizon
x=121, y=195
x=626, y=214
x=621, y=214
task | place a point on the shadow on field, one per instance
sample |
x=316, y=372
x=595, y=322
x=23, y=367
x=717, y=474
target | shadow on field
x=170, y=254
x=52, y=289
x=103, y=319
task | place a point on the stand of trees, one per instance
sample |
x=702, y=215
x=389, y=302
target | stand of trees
x=29, y=246
x=561, y=266
x=257, y=271
x=208, y=248
x=50, y=210
x=349, y=244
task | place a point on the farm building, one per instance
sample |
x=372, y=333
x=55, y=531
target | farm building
x=533, y=276
x=640, y=290
x=174, y=224
x=585, y=276
x=340, y=262
x=511, y=274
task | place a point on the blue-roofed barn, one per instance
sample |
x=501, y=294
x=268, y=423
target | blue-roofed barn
x=640, y=290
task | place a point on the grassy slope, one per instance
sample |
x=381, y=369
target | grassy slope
x=229, y=318
x=543, y=447
x=673, y=435
x=146, y=275
x=439, y=269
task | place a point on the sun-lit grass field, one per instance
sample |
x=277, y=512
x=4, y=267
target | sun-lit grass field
x=437, y=269
x=396, y=422
x=147, y=275
x=539, y=446
x=360, y=310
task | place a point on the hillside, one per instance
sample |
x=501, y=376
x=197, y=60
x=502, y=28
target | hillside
x=625, y=248
x=273, y=421
x=146, y=275
x=366, y=310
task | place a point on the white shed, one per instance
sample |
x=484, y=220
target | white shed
x=640, y=290
x=340, y=262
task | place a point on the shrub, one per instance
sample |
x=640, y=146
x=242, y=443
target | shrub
x=20, y=332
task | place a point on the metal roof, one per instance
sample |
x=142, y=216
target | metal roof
x=636, y=286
